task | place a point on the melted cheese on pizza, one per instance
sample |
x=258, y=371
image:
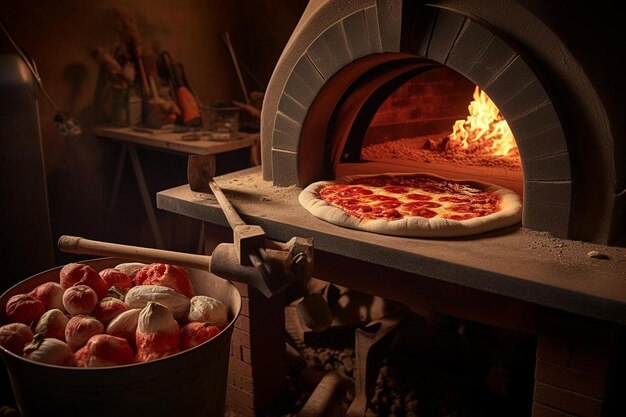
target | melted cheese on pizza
x=397, y=197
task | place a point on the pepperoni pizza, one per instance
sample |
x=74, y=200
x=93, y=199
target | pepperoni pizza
x=422, y=205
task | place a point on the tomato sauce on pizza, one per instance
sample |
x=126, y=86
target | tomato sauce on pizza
x=399, y=196
x=416, y=204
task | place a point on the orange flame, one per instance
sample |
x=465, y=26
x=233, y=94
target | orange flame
x=485, y=129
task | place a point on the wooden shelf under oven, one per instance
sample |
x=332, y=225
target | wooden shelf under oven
x=514, y=262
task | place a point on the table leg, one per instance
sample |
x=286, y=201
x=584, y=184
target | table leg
x=145, y=196
x=200, y=248
x=119, y=169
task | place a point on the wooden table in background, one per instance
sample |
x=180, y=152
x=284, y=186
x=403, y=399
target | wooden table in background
x=201, y=159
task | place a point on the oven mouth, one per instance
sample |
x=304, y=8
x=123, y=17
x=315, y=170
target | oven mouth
x=341, y=125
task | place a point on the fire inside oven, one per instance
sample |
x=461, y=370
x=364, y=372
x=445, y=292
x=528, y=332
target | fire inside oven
x=418, y=116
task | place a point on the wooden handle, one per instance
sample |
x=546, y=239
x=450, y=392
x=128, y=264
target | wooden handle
x=74, y=244
x=229, y=211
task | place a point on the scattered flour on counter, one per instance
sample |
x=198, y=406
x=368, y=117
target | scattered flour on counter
x=254, y=185
x=573, y=252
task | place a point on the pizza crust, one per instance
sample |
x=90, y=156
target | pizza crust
x=510, y=213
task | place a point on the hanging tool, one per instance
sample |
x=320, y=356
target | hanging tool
x=186, y=100
x=231, y=51
x=183, y=76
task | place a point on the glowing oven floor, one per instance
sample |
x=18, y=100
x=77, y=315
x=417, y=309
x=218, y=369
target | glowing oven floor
x=513, y=262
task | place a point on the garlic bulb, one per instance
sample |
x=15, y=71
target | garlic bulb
x=50, y=351
x=52, y=324
x=208, y=310
x=130, y=268
x=125, y=325
x=158, y=333
x=139, y=296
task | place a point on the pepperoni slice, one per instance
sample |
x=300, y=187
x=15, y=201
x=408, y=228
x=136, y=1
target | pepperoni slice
x=423, y=212
x=332, y=189
x=433, y=189
x=349, y=202
x=387, y=215
x=452, y=199
x=353, y=191
x=419, y=204
x=460, y=217
x=358, y=211
x=388, y=205
x=381, y=198
x=461, y=208
x=471, y=209
x=396, y=190
x=418, y=197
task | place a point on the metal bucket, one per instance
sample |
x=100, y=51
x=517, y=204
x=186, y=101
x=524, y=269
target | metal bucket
x=190, y=383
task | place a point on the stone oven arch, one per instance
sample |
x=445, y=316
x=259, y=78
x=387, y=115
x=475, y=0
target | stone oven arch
x=334, y=34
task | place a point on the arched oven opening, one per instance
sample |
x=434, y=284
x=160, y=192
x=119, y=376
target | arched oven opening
x=410, y=114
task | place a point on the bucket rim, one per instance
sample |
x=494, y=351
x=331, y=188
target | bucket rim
x=223, y=333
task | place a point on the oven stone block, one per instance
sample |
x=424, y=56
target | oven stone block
x=284, y=141
x=491, y=62
x=554, y=193
x=286, y=133
x=292, y=108
x=373, y=30
x=551, y=218
x=539, y=133
x=355, y=27
x=472, y=40
x=550, y=168
x=445, y=32
x=285, y=167
x=530, y=96
x=516, y=76
x=304, y=82
x=390, y=23
x=330, y=51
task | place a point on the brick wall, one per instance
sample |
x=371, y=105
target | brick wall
x=572, y=374
x=428, y=103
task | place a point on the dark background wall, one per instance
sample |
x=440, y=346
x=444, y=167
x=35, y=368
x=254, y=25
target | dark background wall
x=60, y=35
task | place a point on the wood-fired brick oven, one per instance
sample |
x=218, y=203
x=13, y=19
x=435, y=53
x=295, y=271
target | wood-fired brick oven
x=522, y=279
x=569, y=155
